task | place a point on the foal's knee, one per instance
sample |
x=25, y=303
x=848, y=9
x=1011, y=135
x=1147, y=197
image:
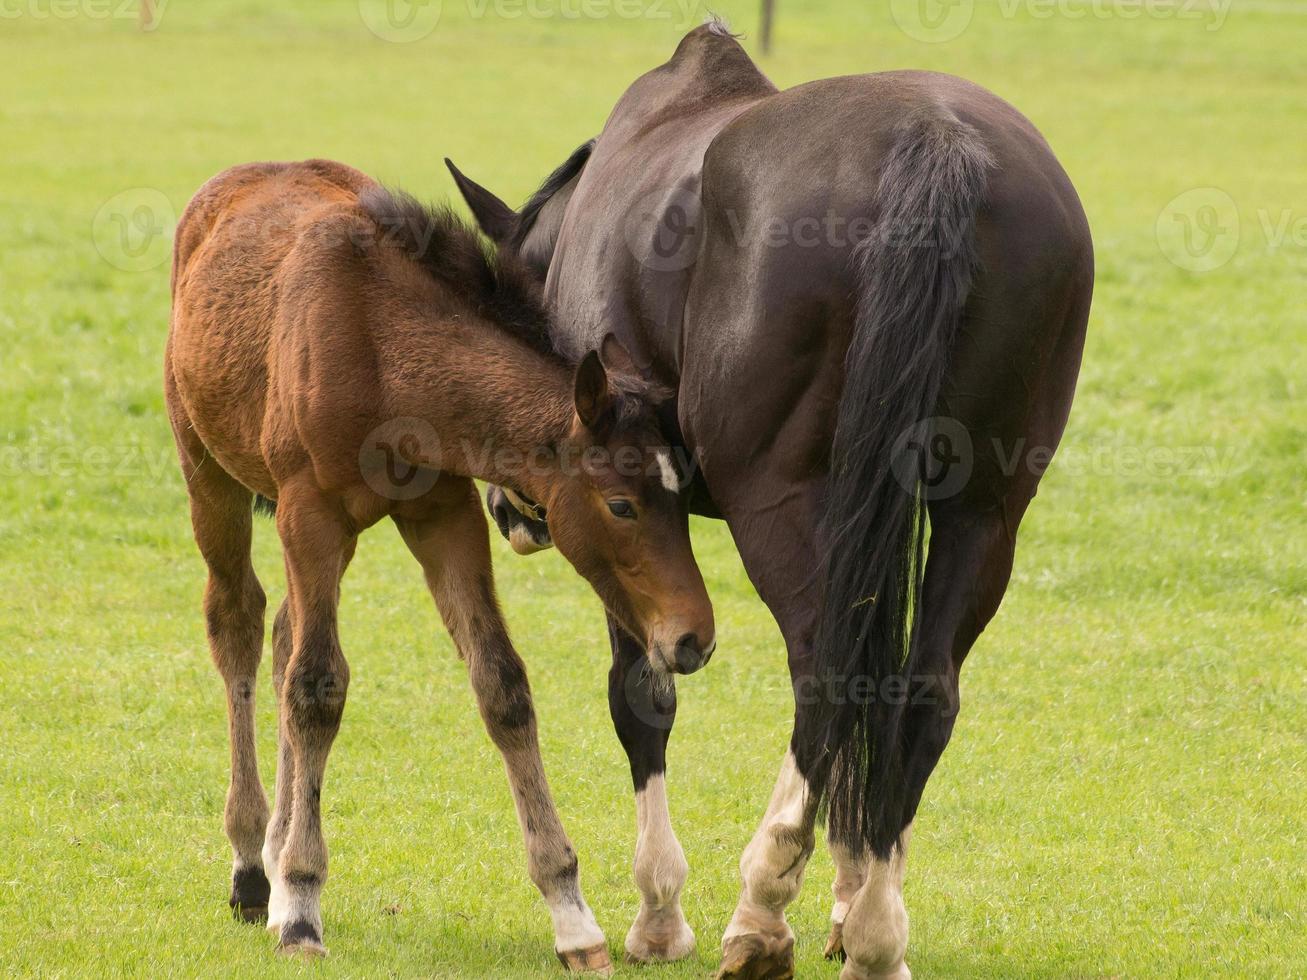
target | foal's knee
x=503, y=692
x=233, y=614
x=315, y=685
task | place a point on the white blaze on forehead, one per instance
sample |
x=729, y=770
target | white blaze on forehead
x=667, y=471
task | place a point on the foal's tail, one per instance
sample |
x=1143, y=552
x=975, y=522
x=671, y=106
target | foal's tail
x=915, y=273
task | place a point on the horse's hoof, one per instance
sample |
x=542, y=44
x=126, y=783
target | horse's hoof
x=835, y=942
x=852, y=972
x=249, y=895
x=301, y=940
x=754, y=956
x=592, y=960
x=652, y=941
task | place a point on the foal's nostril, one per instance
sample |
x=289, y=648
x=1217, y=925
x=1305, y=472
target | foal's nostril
x=689, y=657
x=499, y=511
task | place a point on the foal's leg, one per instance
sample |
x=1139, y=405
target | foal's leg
x=316, y=540
x=643, y=716
x=233, y=610
x=454, y=550
x=279, y=824
x=967, y=569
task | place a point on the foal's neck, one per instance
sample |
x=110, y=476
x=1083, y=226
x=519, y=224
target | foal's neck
x=502, y=409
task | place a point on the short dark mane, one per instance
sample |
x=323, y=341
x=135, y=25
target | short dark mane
x=498, y=286
x=554, y=183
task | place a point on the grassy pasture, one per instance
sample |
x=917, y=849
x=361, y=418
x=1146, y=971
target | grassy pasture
x=1125, y=792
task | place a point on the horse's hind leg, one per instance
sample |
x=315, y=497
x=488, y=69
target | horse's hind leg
x=284, y=795
x=316, y=540
x=453, y=548
x=233, y=611
x=967, y=570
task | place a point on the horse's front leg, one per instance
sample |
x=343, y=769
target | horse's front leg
x=643, y=713
x=777, y=546
x=453, y=548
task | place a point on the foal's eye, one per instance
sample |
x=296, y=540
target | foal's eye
x=621, y=508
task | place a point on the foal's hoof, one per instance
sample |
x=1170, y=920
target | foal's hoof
x=659, y=938
x=592, y=960
x=301, y=940
x=250, y=913
x=249, y=895
x=754, y=956
x=835, y=942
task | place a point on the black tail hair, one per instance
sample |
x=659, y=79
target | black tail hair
x=915, y=272
x=264, y=506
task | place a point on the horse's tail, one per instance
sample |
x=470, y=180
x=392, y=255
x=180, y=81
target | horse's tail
x=915, y=272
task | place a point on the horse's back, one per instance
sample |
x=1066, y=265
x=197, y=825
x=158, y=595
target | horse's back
x=233, y=278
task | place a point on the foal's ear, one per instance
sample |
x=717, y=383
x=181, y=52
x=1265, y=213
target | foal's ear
x=495, y=217
x=617, y=358
x=592, y=395
x=628, y=374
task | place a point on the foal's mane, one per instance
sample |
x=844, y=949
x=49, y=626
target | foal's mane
x=498, y=286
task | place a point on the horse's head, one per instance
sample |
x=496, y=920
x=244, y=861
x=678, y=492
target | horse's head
x=617, y=513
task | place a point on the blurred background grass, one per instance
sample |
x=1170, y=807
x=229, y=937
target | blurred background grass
x=1124, y=793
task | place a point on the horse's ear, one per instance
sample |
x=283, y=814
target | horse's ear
x=495, y=217
x=592, y=395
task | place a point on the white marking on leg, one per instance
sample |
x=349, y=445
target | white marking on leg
x=574, y=924
x=666, y=471
x=772, y=865
x=660, y=931
x=876, y=928
x=850, y=873
x=277, y=896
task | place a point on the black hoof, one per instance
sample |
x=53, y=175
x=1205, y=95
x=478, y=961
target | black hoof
x=249, y=895
x=301, y=939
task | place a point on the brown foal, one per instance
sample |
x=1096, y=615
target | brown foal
x=351, y=355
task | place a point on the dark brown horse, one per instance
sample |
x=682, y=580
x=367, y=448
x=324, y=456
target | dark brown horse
x=348, y=355
x=870, y=296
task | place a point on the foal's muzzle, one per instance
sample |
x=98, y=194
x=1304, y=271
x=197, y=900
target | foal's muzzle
x=527, y=534
x=688, y=655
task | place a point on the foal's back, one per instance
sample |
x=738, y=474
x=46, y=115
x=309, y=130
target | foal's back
x=248, y=267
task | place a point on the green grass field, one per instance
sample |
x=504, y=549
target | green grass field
x=1124, y=794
